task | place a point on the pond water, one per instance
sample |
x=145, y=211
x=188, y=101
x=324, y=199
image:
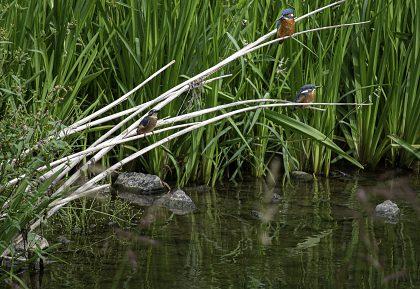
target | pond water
x=320, y=234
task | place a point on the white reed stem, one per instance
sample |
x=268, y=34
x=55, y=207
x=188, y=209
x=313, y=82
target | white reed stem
x=118, y=165
x=118, y=101
x=319, y=10
x=131, y=128
x=91, y=150
x=133, y=136
x=65, y=131
x=103, y=120
x=73, y=197
x=304, y=32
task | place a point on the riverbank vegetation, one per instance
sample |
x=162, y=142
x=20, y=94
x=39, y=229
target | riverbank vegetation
x=80, y=55
x=75, y=57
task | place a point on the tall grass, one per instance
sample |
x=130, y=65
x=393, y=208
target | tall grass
x=83, y=54
x=26, y=201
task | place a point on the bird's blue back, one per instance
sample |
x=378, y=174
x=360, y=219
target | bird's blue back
x=145, y=121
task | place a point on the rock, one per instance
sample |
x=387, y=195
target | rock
x=299, y=175
x=177, y=201
x=388, y=210
x=139, y=183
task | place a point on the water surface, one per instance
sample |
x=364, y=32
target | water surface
x=320, y=234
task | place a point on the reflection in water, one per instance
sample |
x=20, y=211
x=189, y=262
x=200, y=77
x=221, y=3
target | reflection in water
x=319, y=234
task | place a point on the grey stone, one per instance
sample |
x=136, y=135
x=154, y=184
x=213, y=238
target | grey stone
x=388, y=210
x=299, y=175
x=139, y=183
x=177, y=201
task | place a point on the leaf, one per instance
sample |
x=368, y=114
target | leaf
x=409, y=148
x=311, y=132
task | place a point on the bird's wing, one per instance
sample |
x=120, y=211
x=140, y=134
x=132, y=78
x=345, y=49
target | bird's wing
x=144, y=121
x=299, y=97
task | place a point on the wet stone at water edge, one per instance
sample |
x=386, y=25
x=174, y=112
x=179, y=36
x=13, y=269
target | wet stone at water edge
x=302, y=176
x=139, y=183
x=388, y=210
x=177, y=201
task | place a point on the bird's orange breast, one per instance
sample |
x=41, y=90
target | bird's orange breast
x=287, y=28
x=310, y=97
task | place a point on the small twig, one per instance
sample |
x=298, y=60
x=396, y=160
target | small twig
x=305, y=32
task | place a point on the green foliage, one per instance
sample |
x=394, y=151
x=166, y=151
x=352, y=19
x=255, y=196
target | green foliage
x=20, y=204
x=80, y=55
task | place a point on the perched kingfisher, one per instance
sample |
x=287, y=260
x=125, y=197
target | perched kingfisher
x=286, y=24
x=148, y=123
x=306, y=94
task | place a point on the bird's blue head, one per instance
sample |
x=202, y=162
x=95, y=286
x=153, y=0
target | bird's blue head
x=153, y=112
x=288, y=13
x=307, y=88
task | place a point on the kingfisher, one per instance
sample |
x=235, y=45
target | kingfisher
x=286, y=24
x=148, y=123
x=306, y=94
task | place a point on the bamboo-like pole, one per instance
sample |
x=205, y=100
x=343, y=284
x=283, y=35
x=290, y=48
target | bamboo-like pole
x=73, y=197
x=74, y=127
x=117, y=101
